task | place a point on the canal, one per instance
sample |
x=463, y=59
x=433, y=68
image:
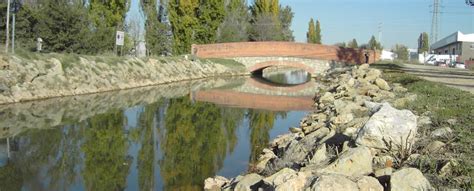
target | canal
x=168, y=137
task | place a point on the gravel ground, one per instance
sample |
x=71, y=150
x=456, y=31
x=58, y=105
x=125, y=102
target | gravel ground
x=458, y=78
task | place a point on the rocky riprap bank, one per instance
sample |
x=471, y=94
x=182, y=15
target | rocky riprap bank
x=355, y=140
x=54, y=75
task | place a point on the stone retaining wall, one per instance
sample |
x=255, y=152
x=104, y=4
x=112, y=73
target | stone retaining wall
x=47, y=76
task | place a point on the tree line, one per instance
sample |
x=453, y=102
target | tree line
x=171, y=27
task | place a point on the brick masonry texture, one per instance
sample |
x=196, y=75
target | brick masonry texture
x=284, y=49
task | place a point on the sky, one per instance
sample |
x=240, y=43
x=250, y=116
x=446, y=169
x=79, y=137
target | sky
x=402, y=21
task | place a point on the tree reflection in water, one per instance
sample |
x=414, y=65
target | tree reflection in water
x=187, y=140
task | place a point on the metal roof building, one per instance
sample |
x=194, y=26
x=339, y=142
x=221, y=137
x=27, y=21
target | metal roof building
x=456, y=44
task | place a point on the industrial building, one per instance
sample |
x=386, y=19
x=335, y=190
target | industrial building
x=456, y=44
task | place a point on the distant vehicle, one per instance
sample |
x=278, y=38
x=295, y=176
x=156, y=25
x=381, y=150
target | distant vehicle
x=460, y=65
x=435, y=59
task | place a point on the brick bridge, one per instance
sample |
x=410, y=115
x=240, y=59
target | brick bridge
x=313, y=58
x=257, y=94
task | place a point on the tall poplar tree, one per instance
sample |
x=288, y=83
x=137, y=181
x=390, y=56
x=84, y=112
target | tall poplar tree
x=318, y=33
x=424, y=45
x=353, y=44
x=311, y=34
x=210, y=15
x=157, y=31
x=184, y=22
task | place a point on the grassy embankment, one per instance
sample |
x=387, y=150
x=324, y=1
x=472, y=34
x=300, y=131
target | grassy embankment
x=447, y=107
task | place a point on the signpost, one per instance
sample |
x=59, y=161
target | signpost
x=119, y=40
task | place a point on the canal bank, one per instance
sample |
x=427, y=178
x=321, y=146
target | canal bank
x=32, y=76
x=164, y=137
x=358, y=137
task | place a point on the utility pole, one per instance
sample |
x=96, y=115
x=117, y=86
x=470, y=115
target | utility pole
x=13, y=34
x=8, y=27
x=435, y=22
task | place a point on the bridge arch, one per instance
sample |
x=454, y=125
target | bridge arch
x=259, y=67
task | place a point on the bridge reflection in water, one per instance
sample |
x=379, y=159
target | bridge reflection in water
x=258, y=93
x=154, y=138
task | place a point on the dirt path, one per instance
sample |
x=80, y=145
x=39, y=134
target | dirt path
x=453, y=77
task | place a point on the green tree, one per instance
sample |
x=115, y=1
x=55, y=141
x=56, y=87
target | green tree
x=210, y=15
x=341, y=44
x=401, y=51
x=194, y=144
x=353, y=44
x=424, y=45
x=236, y=24
x=318, y=37
x=373, y=44
x=260, y=124
x=268, y=7
x=286, y=18
x=105, y=150
x=63, y=26
x=157, y=31
x=311, y=34
x=184, y=22
x=110, y=13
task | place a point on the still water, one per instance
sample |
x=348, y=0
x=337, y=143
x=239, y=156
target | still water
x=168, y=137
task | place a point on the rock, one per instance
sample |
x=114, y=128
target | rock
x=319, y=155
x=383, y=172
x=282, y=141
x=382, y=84
x=368, y=183
x=398, y=88
x=383, y=161
x=333, y=182
x=355, y=162
x=452, y=121
x=295, y=130
x=280, y=177
x=434, y=147
x=215, y=183
x=264, y=158
x=248, y=182
x=403, y=102
x=343, y=118
x=372, y=75
x=296, y=183
x=364, y=67
x=447, y=169
x=389, y=129
x=424, y=120
x=409, y=179
x=298, y=151
x=327, y=98
x=442, y=132
x=313, y=127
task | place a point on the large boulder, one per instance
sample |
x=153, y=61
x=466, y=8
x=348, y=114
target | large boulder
x=409, y=179
x=248, y=182
x=355, y=162
x=388, y=128
x=215, y=183
x=333, y=182
x=368, y=183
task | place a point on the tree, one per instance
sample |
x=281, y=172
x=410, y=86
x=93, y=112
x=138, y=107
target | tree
x=157, y=31
x=235, y=26
x=270, y=21
x=341, y=44
x=63, y=27
x=311, y=34
x=210, y=15
x=423, y=43
x=374, y=45
x=286, y=17
x=183, y=23
x=110, y=13
x=401, y=51
x=318, y=37
x=353, y=44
